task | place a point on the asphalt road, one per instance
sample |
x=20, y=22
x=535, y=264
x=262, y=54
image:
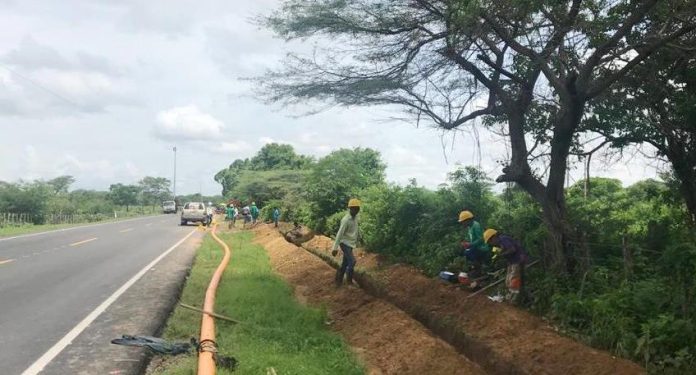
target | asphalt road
x=50, y=282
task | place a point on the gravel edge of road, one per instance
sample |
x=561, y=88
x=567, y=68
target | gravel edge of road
x=134, y=313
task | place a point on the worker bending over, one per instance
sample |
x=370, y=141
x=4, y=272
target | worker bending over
x=516, y=257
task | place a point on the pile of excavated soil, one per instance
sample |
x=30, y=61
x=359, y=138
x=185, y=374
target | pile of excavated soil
x=387, y=339
x=500, y=337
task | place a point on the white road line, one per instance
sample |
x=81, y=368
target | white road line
x=47, y=357
x=6, y=261
x=148, y=224
x=126, y=230
x=83, y=242
x=73, y=228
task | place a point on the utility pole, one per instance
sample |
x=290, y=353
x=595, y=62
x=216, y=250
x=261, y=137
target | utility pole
x=174, y=181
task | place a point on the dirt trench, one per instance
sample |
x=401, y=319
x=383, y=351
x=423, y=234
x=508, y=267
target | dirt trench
x=387, y=339
x=499, y=337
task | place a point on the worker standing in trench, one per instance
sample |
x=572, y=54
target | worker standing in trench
x=516, y=257
x=346, y=239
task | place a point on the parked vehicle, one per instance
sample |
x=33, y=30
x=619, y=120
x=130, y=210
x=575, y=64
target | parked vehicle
x=169, y=207
x=194, y=212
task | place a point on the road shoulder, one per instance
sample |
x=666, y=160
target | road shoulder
x=142, y=310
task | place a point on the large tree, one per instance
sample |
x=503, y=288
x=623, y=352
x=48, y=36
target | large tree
x=339, y=176
x=531, y=65
x=271, y=157
x=61, y=184
x=275, y=156
x=656, y=104
x=154, y=190
x=124, y=195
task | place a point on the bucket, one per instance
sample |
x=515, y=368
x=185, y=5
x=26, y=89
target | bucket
x=463, y=278
x=448, y=276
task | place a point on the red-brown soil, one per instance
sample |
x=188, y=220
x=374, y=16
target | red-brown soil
x=498, y=336
x=386, y=338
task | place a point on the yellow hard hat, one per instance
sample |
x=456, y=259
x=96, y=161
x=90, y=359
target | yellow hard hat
x=353, y=203
x=465, y=215
x=488, y=233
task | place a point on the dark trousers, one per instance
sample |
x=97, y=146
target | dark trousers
x=347, y=266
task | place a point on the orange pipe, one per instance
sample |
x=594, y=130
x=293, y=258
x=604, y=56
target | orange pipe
x=206, y=362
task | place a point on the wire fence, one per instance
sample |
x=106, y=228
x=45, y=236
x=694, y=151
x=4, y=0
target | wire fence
x=10, y=219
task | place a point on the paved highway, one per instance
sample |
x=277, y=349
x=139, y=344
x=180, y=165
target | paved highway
x=49, y=282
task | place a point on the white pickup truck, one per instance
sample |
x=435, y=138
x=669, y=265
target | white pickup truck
x=195, y=212
x=169, y=207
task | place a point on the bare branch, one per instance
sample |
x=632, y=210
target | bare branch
x=635, y=17
x=599, y=85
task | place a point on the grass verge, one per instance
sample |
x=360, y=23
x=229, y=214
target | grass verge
x=276, y=331
x=28, y=229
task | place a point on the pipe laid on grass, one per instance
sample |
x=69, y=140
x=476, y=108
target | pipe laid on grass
x=206, y=360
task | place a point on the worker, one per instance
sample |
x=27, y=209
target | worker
x=209, y=212
x=246, y=214
x=276, y=216
x=346, y=239
x=254, y=212
x=516, y=258
x=474, y=247
x=230, y=215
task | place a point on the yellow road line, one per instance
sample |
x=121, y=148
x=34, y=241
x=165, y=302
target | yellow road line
x=126, y=230
x=82, y=242
x=6, y=261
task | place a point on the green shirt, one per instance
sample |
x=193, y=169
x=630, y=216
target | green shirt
x=230, y=212
x=476, y=237
x=348, y=232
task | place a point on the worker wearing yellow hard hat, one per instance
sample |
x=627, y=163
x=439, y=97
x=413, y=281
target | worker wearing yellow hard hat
x=474, y=247
x=347, y=240
x=516, y=257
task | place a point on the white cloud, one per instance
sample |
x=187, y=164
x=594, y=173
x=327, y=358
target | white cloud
x=232, y=148
x=187, y=123
x=74, y=58
x=39, y=81
x=267, y=140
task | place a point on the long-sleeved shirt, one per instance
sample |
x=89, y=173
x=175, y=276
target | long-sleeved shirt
x=476, y=237
x=254, y=211
x=513, y=251
x=347, y=232
x=276, y=214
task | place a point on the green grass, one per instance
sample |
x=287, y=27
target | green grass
x=27, y=229
x=276, y=331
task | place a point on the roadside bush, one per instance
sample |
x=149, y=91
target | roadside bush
x=634, y=292
x=418, y=225
x=336, y=178
x=266, y=212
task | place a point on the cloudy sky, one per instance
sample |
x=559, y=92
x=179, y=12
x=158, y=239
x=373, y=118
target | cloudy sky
x=102, y=90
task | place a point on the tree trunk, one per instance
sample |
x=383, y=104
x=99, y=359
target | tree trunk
x=685, y=171
x=551, y=197
x=561, y=234
x=559, y=254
